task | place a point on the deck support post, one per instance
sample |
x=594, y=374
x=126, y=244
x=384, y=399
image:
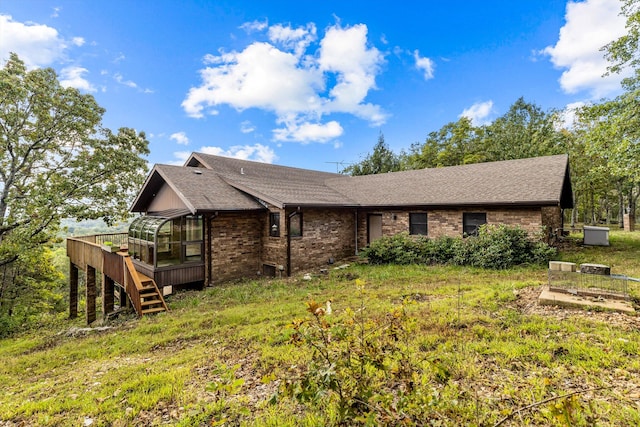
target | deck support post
x=91, y=294
x=124, y=299
x=107, y=295
x=73, y=291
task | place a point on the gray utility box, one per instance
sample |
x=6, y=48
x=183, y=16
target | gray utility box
x=596, y=236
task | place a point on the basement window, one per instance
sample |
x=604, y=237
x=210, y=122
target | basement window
x=418, y=223
x=471, y=222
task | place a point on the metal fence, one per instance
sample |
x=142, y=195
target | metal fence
x=615, y=286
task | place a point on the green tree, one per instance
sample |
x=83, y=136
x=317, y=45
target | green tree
x=382, y=160
x=612, y=128
x=57, y=161
x=624, y=52
x=611, y=132
x=523, y=131
x=456, y=143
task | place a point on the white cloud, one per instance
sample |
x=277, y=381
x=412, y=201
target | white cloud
x=78, y=41
x=118, y=77
x=281, y=77
x=37, y=45
x=309, y=132
x=250, y=27
x=180, y=138
x=297, y=39
x=73, y=77
x=478, y=112
x=424, y=64
x=181, y=158
x=568, y=117
x=589, y=26
x=247, y=127
x=344, y=52
x=257, y=152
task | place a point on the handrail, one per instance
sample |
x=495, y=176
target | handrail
x=99, y=239
x=134, y=291
x=164, y=304
x=132, y=284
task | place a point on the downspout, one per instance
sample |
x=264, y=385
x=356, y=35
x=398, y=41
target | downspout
x=209, y=250
x=291, y=215
x=356, y=228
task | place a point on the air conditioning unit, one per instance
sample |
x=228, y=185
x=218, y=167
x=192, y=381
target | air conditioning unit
x=596, y=236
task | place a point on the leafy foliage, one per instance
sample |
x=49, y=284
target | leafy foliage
x=56, y=161
x=382, y=160
x=497, y=247
x=361, y=362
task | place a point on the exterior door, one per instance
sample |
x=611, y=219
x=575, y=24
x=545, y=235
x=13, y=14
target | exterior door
x=374, y=227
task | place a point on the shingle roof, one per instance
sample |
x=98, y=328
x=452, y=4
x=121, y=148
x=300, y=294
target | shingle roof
x=199, y=189
x=278, y=185
x=225, y=184
x=539, y=180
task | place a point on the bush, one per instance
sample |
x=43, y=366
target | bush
x=360, y=366
x=495, y=246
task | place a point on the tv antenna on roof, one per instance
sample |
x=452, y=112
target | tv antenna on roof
x=340, y=164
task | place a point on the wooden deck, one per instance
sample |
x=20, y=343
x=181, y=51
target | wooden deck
x=88, y=253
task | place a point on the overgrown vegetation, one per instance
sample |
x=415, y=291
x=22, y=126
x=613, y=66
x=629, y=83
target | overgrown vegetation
x=404, y=345
x=496, y=247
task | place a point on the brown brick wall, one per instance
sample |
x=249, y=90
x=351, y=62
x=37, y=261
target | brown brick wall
x=241, y=244
x=551, y=219
x=325, y=234
x=236, y=245
x=448, y=222
x=274, y=249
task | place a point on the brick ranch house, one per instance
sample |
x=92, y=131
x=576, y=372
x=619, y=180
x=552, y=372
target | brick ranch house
x=217, y=219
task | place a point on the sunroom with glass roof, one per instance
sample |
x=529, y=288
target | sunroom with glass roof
x=167, y=239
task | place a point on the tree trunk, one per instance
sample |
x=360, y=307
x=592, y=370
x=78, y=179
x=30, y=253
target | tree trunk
x=574, y=211
x=620, y=207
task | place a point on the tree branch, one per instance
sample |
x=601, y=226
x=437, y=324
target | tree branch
x=542, y=402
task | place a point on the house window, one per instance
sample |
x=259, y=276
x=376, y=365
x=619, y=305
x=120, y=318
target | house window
x=274, y=224
x=418, y=223
x=295, y=225
x=471, y=222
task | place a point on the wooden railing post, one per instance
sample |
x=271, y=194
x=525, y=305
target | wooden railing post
x=107, y=295
x=73, y=291
x=91, y=294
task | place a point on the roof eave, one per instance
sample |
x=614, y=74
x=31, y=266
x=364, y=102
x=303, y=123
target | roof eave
x=440, y=205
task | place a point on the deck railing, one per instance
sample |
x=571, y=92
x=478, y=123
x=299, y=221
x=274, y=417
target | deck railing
x=87, y=250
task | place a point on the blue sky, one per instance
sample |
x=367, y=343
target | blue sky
x=312, y=84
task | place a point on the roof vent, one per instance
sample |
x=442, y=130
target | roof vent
x=241, y=171
x=197, y=172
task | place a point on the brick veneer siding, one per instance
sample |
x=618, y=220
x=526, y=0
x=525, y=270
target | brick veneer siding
x=241, y=243
x=236, y=245
x=274, y=249
x=326, y=233
x=448, y=222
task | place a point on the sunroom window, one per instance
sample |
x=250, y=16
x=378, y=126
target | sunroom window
x=164, y=241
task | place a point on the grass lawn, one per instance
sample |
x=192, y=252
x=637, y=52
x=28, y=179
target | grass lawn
x=403, y=345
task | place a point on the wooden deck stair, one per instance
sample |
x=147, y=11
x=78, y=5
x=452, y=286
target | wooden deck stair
x=151, y=300
x=143, y=291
